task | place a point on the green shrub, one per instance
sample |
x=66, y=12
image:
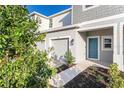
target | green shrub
x=99, y=78
x=31, y=71
x=21, y=63
x=68, y=57
x=116, y=81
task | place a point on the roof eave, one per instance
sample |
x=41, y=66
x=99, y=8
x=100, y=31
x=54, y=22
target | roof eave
x=34, y=12
x=60, y=28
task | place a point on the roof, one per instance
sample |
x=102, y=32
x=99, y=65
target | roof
x=56, y=14
x=61, y=12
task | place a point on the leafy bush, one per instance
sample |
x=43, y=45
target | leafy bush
x=32, y=71
x=99, y=78
x=21, y=63
x=68, y=57
x=116, y=81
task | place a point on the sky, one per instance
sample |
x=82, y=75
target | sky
x=47, y=10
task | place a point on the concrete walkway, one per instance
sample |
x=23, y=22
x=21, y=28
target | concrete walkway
x=56, y=64
x=65, y=76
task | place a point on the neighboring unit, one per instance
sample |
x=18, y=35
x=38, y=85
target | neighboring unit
x=91, y=32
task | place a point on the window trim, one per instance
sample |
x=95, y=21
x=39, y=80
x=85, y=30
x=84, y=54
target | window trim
x=85, y=9
x=107, y=37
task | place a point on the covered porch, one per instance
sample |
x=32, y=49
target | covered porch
x=99, y=45
x=103, y=42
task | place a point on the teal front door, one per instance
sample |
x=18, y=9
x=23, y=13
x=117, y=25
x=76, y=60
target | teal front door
x=93, y=48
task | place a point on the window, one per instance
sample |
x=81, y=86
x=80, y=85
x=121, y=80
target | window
x=51, y=23
x=87, y=7
x=38, y=19
x=106, y=42
x=32, y=17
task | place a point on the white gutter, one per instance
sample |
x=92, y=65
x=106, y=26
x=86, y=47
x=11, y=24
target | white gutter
x=56, y=14
x=59, y=13
x=34, y=12
x=60, y=28
x=101, y=19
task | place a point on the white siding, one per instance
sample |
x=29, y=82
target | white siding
x=45, y=23
x=62, y=20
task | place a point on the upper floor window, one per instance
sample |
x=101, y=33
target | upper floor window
x=32, y=17
x=38, y=19
x=50, y=23
x=87, y=7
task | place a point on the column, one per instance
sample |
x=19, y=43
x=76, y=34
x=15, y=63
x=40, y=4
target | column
x=118, y=45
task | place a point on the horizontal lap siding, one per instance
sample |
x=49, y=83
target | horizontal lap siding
x=98, y=12
x=105, y=56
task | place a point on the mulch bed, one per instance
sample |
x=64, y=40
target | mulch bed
x=90, y=78
x=64, y=67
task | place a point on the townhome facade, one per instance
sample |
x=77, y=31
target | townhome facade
x=90, y=32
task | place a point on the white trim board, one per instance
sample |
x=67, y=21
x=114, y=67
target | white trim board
x=59, y=13
x=86, y=9
x=96, y=27
x=61, y=37
x=34, y=12
x=72, y=15
x=102, y=42
x=60, y=28
x=121, y=37
x=101, y=19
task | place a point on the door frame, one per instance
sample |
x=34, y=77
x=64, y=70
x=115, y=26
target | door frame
x=90, y=37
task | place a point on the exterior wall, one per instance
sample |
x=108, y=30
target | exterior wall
x=98, y=12
x=106, y=57
x=78, y=49
x=61, y=46
x=45, y=23
x=61, y=34
x=80, y=41
x=61, y=20
x=117, y=36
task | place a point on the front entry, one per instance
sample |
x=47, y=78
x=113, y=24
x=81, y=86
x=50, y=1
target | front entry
x=92, y=48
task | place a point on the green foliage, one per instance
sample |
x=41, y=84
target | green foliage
x=21, y=64
x=116, y=81
x=68, y=57
x=99, y=78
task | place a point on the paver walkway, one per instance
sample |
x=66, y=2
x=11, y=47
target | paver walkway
x=65, y=76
